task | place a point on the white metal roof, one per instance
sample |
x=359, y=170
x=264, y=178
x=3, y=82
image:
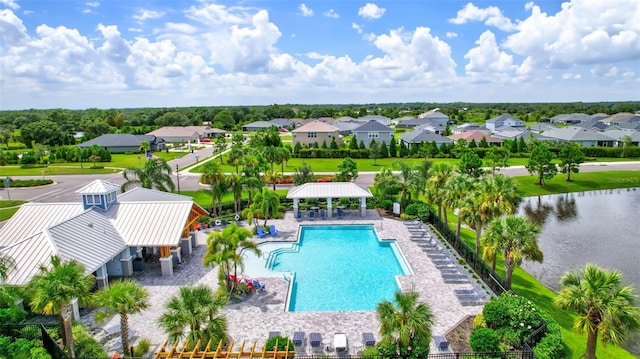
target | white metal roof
x=28, y=254
x=329, y=189
x=144, y=194
x=98, y=187
x=150, y=223
x=34, y=217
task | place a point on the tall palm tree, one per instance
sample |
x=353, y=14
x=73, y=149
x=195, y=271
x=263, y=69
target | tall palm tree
x=53, y=288
x=212, y=176
x=456, y=191
x=7, y=293
x=121, y=297
x=493, y=197
x=422, y=174
x=383, y=181
x=224, y=248
x=516, y=238
x=156, y=173
x=605, y=306
x=436, y=187
x=273, y=177
x=193, y=314
x=408, y=322
x=235, y=185
x=269, y=202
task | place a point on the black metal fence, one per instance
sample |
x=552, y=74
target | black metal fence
x=475, y=261
x=34, y=332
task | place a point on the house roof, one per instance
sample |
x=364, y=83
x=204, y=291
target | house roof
x=344, y=119
x=541, y=126
x=516, y=134
x=618, y=134
x=34, y=217
x=347, y=126
x=117, y=140
x=372, y=125
x=316, y=126
x=412, y=122
x=475, y=135
x=185, y=131
x=502, y=118
x=329, y=189
x=419, y=136
x=569, y=117
x=259, y=124
x=98, y=187
x=574, y=133
x=375, y=118
x=281, y=122
x=435, y=113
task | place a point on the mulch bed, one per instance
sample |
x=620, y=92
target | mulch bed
x=458, y=337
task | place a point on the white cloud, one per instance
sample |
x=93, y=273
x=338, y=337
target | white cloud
x=92, y=4
x=144, y=14
x=604, y=71
x=356, y=27
x=451, y=34
x=492, y=16
x=305, y=11
x=331, y=14
x=10, y=4
x=581, y=33
x=487, y=62
x=371, y=11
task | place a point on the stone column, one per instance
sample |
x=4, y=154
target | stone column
x=176, y=253
x=363, y=206
x=166, y=265
x=75, y=310
x=296, y=204
x=102, y=278
x=126, y=261
x=185, y=245
x=329, y=208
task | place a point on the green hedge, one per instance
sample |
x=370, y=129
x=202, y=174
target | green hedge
x=30, y=183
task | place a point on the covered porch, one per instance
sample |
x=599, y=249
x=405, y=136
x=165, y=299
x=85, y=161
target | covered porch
x=329, y=191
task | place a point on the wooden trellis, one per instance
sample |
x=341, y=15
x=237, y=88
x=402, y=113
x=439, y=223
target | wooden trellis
x=221, y=351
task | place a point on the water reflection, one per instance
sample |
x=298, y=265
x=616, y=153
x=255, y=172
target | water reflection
x=564, y=208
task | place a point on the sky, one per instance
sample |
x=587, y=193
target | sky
x=161, y=53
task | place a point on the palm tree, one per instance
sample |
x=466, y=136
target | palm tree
x=269, y=202
x=156, y=173
x=235, y=184
x=273, y=177
x=605, y=306
x=121, y=297
x=408, y=322
x=7, y=293
x=225, y=248
x=53, y=288
x=440, y=174
x=457, y=189
x=384, y=181
x=516, y=238
x=212, y=176
x=193, y=314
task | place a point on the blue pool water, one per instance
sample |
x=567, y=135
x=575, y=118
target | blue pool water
x=340, y=268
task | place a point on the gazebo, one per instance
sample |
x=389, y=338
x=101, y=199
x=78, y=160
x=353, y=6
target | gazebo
x=330, y=190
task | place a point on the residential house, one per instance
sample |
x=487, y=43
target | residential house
x=382, y=119
x=431, y=126
x=125, y=142
x=423, y=136
x=285, y=123
x=516, y=134
x=582, y=136
x=373, y=130
x=469, y=127
x=477, y=136
x=541, y=127
x=493, y=124
x=436, y=116
x=618, y=136
x=257, y=126
x=186, y=134
x=413, y=122
x=105, y=232
x=620, y=118
x=398, y=120
x=346, y=127
x=569, y=118
x=316, y=131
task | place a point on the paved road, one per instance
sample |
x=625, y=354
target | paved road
x=64, y=188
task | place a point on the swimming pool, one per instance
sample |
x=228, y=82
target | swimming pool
x=339, y=268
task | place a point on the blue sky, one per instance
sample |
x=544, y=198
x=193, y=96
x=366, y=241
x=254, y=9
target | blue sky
x=114, y=54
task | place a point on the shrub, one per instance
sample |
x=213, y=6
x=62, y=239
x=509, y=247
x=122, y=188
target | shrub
x=495, y=314
x=21, y=348
x=142, y=347
x=478, y=321
x=281, y=341
x=387, y=204
x=12, y=315
x=483, y=340
x=85, y=345
x=39, y=353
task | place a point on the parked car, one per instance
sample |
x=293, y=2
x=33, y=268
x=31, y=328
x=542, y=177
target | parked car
x=205, y=140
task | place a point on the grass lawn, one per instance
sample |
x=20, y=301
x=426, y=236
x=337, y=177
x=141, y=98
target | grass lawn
x=585, y=181
x=9, y=208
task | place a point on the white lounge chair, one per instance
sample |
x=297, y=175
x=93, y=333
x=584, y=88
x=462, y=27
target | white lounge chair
x=340, y=343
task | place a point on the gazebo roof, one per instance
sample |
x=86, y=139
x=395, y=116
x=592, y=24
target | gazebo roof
x=329, y=189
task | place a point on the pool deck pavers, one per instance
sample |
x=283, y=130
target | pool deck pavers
x=264, y=311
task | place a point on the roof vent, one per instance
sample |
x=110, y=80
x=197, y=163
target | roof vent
x=90, y=225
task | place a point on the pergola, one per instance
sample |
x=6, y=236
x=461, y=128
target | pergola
x=330, y=190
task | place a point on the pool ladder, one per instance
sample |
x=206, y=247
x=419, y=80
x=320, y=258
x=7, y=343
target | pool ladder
x=274, y=254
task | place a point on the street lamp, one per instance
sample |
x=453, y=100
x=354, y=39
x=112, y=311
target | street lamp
x=178, y=178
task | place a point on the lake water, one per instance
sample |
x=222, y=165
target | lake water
x=601, y=227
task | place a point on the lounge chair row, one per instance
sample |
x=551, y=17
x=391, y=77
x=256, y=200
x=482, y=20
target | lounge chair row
x=322, y=214
x=340, y=344
x=474, y=296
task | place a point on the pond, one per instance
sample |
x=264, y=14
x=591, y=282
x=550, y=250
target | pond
x=600, y=227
